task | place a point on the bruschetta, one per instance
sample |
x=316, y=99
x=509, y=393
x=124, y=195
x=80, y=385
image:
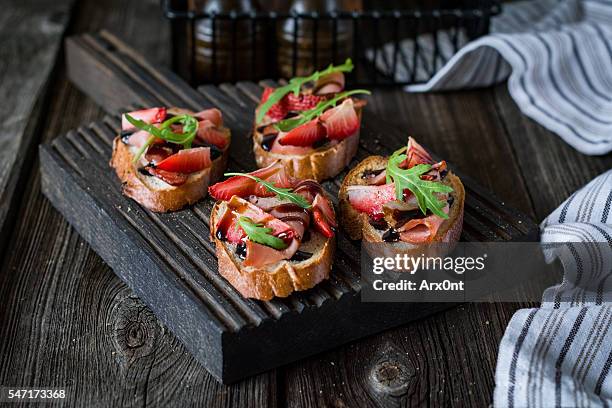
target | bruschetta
x=274, y=234
x=405, y=200
x=166, y=158
x=311, y=124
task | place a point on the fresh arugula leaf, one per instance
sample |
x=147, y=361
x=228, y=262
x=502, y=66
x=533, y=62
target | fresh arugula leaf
x=423, y=190
x=260, y=234
x=306, y=116
x=295, y=85
x=281, y=193
x=190, y=129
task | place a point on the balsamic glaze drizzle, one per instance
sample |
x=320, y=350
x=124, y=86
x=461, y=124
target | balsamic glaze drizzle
x=391, y=235
x=301, y=256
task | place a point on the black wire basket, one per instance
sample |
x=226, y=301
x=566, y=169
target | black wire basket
x=388, y=46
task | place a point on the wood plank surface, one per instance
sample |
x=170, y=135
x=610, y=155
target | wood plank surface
x=68, y=320
x=30, y=34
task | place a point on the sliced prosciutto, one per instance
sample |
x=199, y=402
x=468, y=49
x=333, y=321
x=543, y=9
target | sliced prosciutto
x=139, y=138
x=415, y=154
x=150, y=116
x=187, y=160
x=329, y=84
x=370, y=199
x=294, y=215
x=239, y=207
x=342, y=121
x=243, y=186
x=258, y=255
x=214, y=115
x=289, y=150
x=210, y=133
x=421, y=230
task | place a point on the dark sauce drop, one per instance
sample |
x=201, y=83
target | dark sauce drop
x=320, y=143
x=220, y=235
x=371, y=173
x=391, y=235
x=241, y=250
x=144, y=171
x=306, y=236
x=403, y=217
x=301, y=256
x=450, y=201
x=125, y=135
x=379, y=224
x=267, y=141
x=215, y=152
x=443, y=174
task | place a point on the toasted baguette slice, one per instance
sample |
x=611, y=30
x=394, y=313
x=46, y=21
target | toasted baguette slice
x=155, y=194
x=279, y=279
x=321, y=164
x=357, y=224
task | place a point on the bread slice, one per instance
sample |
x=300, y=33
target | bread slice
x=155, y=194
x=279, y=279
x=321, y=164
x=357, y=225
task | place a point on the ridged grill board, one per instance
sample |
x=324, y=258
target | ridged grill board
x=168, y=259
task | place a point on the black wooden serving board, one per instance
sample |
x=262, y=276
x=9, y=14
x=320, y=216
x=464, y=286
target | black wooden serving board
x=168, y=259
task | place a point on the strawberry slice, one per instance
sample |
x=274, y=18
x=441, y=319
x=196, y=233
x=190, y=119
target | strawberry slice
x=304, y=135
x=341, y=121
x=208, y=132
x=277, y=111
x=242, y=186
x=214, y=115
x=150, y=116
x=370, y=199
x=322, y=204
x=187, y=160
x=301, y=102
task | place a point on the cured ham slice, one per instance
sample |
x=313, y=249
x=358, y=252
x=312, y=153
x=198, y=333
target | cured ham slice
x=214, y=115
x=258, y=255
x=289, y=150
x=139, y=138
x=415, y=154
x=152, y=115
x=243, y=186
x=208, y=132
x=370, y=199
x=329, y=84
x=421, y=230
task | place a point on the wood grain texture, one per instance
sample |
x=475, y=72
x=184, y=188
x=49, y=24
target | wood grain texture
x=55, y=289
x=30, y=34
x=68, y=319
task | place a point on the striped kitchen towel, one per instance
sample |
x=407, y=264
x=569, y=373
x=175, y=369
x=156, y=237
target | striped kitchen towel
x=557, y=56
x=560, y=355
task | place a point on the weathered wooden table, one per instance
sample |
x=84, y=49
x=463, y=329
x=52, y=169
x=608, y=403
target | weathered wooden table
x=68, y=321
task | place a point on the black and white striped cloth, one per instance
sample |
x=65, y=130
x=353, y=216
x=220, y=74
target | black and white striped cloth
x=560, y=355
x=557, y=57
